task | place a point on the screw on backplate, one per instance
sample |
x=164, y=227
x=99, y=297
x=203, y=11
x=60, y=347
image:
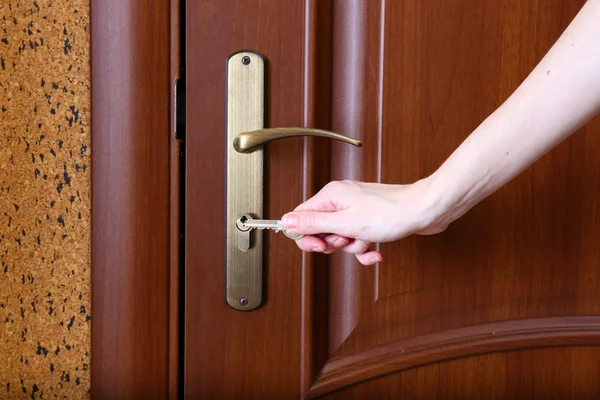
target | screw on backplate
x=244, y=301
x=245, y=60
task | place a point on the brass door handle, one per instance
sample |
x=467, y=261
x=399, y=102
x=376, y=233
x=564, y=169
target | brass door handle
x=244, y=160
x=246, y=142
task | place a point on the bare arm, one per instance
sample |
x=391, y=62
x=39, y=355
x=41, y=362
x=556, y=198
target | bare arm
x=560, y=95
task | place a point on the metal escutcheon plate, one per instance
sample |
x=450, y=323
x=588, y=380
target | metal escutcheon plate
x=245, y=112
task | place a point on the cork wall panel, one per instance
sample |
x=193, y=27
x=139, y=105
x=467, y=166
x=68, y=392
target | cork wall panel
x=44, y=199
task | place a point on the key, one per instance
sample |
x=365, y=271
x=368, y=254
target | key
x=272, y=224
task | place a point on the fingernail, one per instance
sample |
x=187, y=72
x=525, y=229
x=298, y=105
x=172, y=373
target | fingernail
x=290, y=221
x=375, y=259
x=340, y=242
x=317, y=249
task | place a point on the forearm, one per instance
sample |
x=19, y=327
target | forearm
x=558, y=97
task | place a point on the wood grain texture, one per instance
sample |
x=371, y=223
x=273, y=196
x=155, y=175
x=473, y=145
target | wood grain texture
x=411, y=80
x=45, y=276
x=316, y=113
x=262, y=357
x=357, y=111
x=177, y=219
x=442, y=346
x=529, y=250
x=541, y=374
x=131, y=80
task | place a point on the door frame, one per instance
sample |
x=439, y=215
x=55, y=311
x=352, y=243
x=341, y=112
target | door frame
x=135, y=199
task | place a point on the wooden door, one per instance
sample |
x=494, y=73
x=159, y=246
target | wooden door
x=504, y=304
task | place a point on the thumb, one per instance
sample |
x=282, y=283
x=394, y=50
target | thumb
x=312, y=222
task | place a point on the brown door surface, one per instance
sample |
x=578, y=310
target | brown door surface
x=504, y=304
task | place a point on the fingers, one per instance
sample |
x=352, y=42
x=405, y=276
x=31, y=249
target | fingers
x=312, y=244
x=331, y=243
x=335, y=242
x=313, y=222
x=356, y=247
x=370, y=258
x=327, y=244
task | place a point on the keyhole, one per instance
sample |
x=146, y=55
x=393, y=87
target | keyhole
x=243, y=234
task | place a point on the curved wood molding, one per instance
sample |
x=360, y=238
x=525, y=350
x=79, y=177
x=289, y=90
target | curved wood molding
x=357, y=101
x=130, y=198
x=443, y=346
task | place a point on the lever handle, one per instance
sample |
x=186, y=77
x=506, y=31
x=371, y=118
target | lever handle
x=246, y=142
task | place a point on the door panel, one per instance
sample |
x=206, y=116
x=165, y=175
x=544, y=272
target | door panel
x=557, y=373
x=410, y=79
x=229, y=353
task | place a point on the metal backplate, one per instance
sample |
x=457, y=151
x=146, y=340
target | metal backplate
x=245, y=112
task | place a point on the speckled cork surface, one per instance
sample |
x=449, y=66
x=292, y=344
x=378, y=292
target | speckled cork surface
x=45, y=279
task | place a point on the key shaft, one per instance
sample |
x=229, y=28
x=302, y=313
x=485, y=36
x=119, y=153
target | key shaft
x=275, y=225
x=263, y=224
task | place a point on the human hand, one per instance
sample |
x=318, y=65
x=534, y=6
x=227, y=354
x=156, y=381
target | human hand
x=349, y=216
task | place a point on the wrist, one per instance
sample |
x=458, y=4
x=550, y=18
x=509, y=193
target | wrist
x=432, y=206
x=444, y=200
